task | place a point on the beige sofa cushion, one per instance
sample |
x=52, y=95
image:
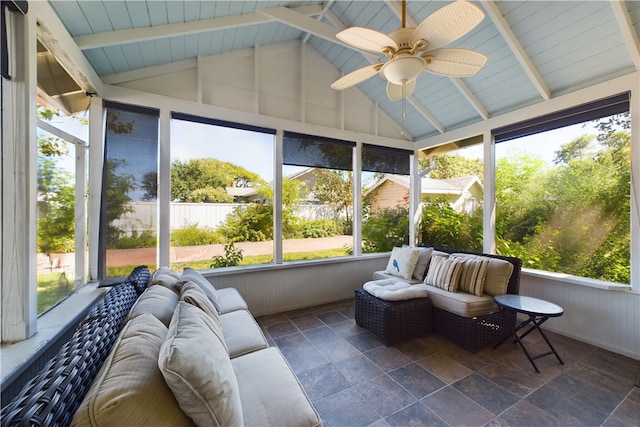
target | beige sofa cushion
x=462, y=303
x=422, y=265
x=230, y=300
x=196, y=366
x=497, y=275
x=166, y=277
x=472, y=276
x=129, y=389
x=381, y=275
x=156, y=300
x=270, y=393
x=190, y=275
x=241, y=333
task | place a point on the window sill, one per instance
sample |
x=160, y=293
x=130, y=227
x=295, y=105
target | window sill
x=575, y=280
x=18, y=356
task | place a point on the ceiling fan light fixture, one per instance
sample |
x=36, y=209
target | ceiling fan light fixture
x=403, y=68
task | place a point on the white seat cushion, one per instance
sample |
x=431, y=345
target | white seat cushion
x=462, y=303
x=229, y=299
x=241, y=333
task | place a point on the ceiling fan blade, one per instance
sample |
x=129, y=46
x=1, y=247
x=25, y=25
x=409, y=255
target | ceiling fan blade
x=396, y=92
x=454, y=62
x=448, y=24
x=367, y=39
x=357, y=76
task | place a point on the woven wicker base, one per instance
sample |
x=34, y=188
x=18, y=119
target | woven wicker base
x=393, y=321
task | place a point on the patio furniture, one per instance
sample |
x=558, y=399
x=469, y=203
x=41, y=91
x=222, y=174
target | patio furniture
x=393, y=321
x=539, y=311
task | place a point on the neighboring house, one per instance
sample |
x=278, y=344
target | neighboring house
x=245, y=195
x=464, y=193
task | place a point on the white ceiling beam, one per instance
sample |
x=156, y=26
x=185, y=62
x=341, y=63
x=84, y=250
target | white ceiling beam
x=628, y=33
x=466, y=92
x=134, y=35
x=503, y=27
x=153, y=71
x=325, y=9
x=426, y=113
x=54, y=36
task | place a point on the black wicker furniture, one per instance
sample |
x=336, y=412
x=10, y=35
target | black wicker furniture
x=393, y=321
x=55, y=393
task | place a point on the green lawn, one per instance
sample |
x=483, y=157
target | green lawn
x=53, y=287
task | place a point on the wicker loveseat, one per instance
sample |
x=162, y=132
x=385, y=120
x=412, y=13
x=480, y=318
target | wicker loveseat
x=166, y=349
x=471, y=329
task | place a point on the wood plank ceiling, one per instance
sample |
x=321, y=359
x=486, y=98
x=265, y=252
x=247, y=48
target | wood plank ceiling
x=537, y=49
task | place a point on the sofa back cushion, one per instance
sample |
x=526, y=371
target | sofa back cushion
x=164, y=276
x=156, y=300
x=472, y=275
x=190, y=275
x=196, y=366
x=497, y=274
x=129, y=388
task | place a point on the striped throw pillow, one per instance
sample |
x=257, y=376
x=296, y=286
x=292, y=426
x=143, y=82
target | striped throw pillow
x=444, y=273
x=472, y=276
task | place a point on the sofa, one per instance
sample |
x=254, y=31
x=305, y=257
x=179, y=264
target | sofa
x=460, y=293
x=165, y=349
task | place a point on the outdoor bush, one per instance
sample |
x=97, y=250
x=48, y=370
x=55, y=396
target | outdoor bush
x=145, y=239
x=192, y=235
x=385, y=229
x=443, y=226
x=232, y=257
x=311, y=228
x=251, y=223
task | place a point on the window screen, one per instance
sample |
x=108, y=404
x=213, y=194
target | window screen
x=318, y=152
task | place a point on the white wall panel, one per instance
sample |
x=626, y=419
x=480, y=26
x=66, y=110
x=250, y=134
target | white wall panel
x=180, y=85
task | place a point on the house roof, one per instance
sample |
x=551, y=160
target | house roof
x=433, y=186
x=537, y=50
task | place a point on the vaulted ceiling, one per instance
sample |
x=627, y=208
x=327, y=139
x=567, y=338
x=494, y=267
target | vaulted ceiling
x=537, y=50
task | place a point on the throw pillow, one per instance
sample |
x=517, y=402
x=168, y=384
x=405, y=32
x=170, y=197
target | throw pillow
x=402, y=262
x=192, y=294
x=189, y=274
x=472, y=275
x=498, y=274
x=423, y=263
x=197, y=369
x=444, y=273
x=129, y=389
x=156, y=300
x=166, y=277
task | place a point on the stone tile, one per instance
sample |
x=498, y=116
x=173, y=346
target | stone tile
x=301, y=312
x=628, y=413
x=306, y=358
x=416, y=380
x=524, y=414
x=456, y=409
x=574, y=402
x=291, y=343
x=613, y=364
x=306, y=322
x=322, y=381
x=473, y=361
x=281, y=329
x=272, y=319
x=385, y=395
x=348, y=310
x=346, y=408
x=606, y=380
x=445, y=368
x=365, y=341
x=357, y=369
x=379, y=423
x=338, y=350
x=414, y=349
x=346, y=328
x=520, y=382
x=331, y=317
x=415, y=415
x=321, y=336
x=387, y=358
x=436, y=343
x=486, y=393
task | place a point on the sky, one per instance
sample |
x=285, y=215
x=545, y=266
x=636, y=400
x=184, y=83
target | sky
x=254, y=151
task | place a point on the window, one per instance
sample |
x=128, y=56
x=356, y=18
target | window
x=221, y=193
x=452, y=194
x=563, y=191
x=56, y=208
x=385, y=198
x=317, y=193
x=129, y=207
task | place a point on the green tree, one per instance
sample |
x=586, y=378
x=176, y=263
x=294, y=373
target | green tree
x=453, y=166
x=443, y=226
x=208, y=173
x=385, y=229
x=335, y=188
x=117, y=189
x=150, y=185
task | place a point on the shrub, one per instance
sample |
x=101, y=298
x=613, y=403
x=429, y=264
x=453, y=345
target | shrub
x=385, y=229
x=231, y=258
x=318, y=228
x=251, y=223
x=146, y=239
x=191, y=235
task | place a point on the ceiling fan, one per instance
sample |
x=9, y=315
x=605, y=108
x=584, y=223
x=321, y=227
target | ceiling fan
x=412, y=50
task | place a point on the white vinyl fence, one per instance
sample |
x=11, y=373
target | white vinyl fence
x=212, y=215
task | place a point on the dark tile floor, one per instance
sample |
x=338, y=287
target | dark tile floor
x=353, y=379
